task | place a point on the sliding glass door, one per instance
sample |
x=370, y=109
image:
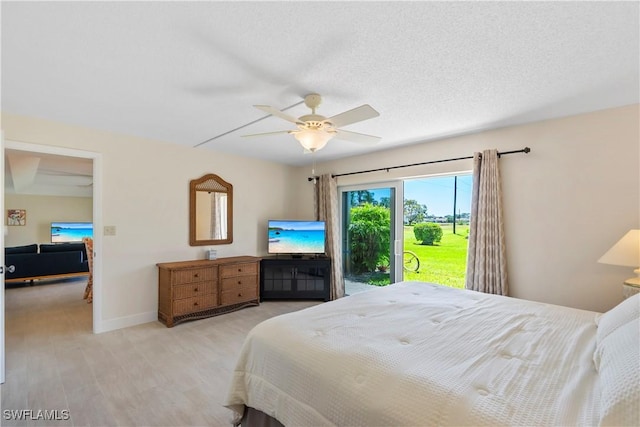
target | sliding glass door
x=436, y=229
x=371, y=235
x=415, y=229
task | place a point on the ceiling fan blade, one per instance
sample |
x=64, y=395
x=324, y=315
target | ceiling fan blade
x=278, y=113
x=279, y=132
x=356, y=137
x=358, y=114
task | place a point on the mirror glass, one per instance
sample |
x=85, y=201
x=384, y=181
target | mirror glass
x=211, y=211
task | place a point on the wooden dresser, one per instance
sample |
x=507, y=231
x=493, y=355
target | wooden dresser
x=202, y=288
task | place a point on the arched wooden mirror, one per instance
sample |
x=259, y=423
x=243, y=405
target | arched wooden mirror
x=210, y=211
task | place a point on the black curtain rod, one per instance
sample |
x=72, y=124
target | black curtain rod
x=524, y=150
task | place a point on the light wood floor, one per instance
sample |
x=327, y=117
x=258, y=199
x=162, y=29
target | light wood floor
x=146, y=375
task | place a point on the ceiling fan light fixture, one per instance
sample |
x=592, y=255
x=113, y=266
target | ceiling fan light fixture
x=314, y=130
x=313, y=139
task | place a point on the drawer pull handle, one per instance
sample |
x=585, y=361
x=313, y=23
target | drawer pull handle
x=195, y=289
x=239, y=282
x=195, y=304
x=196, y=275
x=239, y=270
x=239, y=294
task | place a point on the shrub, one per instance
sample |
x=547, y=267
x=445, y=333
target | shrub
x=428, y=232
x=380, y=280
x=369, y=232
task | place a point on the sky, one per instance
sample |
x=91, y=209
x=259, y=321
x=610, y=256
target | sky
x=436, y=193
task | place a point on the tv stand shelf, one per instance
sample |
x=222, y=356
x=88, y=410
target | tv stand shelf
x=291, y=277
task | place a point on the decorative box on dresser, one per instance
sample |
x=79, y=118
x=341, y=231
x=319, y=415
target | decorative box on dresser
x=189, y=290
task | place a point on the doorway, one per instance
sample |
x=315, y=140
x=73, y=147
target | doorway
x=96, y=194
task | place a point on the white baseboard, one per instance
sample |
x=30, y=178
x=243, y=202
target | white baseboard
x=125, y=322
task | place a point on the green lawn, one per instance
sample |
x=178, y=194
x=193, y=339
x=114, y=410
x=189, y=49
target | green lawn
x=443, y=263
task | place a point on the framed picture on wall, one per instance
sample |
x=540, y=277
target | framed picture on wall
x=16, y=217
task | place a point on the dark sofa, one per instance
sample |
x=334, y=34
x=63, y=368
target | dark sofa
x=51, y=260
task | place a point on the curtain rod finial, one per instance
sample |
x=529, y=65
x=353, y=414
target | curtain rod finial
x=527, y=150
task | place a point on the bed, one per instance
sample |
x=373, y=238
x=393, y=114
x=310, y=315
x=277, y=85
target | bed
x=419, y=354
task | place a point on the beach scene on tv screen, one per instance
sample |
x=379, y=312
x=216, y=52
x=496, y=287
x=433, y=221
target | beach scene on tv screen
x=64, y=232
x=291, y=237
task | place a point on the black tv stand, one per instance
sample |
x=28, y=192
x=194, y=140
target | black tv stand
x=295, y=277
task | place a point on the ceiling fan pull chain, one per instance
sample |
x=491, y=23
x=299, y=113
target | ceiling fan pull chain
x=313, y=167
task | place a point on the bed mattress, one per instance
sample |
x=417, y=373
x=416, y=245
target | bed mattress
x=413, y=354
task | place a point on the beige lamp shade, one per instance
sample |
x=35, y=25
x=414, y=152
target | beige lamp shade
x=626, y=252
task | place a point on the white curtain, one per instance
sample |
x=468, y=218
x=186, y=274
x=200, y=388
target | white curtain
x=326, y=205
x=486, y=259
x=218, y=215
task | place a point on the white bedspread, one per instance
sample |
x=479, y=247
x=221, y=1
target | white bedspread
x=417, y=354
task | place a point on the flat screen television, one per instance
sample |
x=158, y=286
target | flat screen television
x=68, y=232
x=296, y=237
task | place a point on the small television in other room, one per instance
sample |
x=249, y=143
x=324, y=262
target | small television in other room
x=296, y=237
x=68, y=232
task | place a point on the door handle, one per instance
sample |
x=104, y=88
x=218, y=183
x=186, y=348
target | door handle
x=10, y=269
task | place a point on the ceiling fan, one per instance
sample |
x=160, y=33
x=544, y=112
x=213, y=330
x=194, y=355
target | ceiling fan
x=314, y=130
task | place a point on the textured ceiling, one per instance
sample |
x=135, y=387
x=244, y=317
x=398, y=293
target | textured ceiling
x=47, y=174
x=186, y=72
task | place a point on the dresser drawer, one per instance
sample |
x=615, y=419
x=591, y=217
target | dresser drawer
x=239, y=294
x=194, y=289
x=193, y=275
x=233, y=283
x=191, y=305
x=238, y=270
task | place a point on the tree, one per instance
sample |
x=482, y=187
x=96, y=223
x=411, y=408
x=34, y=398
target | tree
x=428, y=232
x=414, y=212
x=369, y=236
x=360, y=197
x=385, y=202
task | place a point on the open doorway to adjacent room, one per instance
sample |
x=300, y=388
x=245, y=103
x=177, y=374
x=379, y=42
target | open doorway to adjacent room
x=48, y=186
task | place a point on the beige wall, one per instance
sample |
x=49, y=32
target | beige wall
x=565, y=203
x=145, y=195
x=41, y=211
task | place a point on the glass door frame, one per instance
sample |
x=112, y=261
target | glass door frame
x=397, y=221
